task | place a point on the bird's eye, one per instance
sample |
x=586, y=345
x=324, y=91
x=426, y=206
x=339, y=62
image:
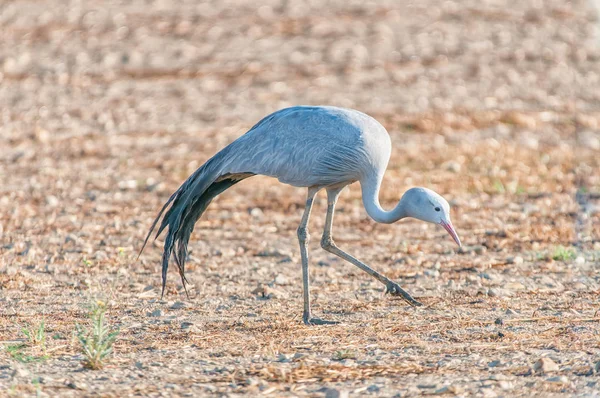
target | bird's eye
x=437, y=209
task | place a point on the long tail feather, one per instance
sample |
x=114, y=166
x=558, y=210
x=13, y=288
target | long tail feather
x=187, y=205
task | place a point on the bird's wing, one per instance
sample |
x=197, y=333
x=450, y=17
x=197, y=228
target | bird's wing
x=301, y=146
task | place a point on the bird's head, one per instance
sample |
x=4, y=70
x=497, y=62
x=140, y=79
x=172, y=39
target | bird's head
x=426, y=205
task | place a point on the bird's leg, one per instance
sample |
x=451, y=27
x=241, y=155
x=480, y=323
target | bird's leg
x=303, y=238
x=328, y=244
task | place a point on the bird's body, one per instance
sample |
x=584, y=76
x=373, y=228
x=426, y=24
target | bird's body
x=318, y=147
x=307, y=146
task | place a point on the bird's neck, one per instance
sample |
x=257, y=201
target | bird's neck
x=370, y=196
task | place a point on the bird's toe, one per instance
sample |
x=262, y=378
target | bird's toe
x=395, y=290
x=319, y=322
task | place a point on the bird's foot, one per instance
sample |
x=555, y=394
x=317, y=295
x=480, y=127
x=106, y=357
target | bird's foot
x=310, y=321
x=394, y=289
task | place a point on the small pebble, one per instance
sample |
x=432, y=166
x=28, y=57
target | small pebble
x=256, y=212
x=498, y=377
x=155, y=313
x=514, y=260
x=335, y=393
x=178, y=305
x=432, y=273
x=558, y=380
x=515, y=286
x=545, y=365
x=505, y=385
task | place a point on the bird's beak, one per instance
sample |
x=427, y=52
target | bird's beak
x=448, y=227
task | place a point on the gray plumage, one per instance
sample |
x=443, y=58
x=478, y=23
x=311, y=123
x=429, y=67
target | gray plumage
x=316, y=147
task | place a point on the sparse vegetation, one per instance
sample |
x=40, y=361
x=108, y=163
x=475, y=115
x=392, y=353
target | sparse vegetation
x=87, y=262
x=562, y=253
x=499, y=187
x=340, y=355
x=97, y=340
x=37, y=385
x=36, y=335
x=34, y=349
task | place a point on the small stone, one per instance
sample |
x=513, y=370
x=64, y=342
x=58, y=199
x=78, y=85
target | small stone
x=334, y=393
x=505, y=385
x=545, y=365
x=558, y=380
x=514, y=260
x=271, y=253
x=100, y=255
x=589, y=139
x=283, y=358
x=456, y=390
x=281, y=280
x=128, y=184
x=21, y=371
x=432, y=273
x=253, y=381
x=18, y=66
x=76, y=386
x=515, y=286
x=480, y=249
x=488, y=392
x=580, y=260
x=297, y=356
x=373, y=388
x=268, y=292
x=52, y=201
x=494, y=364
x=178, y=305
x=477, y=249
x=155, y=313
x=185, y=325
x=597, y=367
x=496, y=292
x=499, y=321
x=191, y=328
x=453, y=166
x=256, y=212
x=510, y=312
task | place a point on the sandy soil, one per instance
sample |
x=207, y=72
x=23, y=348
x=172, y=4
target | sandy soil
x=106, y=107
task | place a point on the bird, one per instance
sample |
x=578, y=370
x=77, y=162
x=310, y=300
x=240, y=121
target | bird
x=314, y=147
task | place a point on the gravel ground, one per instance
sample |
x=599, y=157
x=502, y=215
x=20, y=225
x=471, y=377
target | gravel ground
x=106, y=108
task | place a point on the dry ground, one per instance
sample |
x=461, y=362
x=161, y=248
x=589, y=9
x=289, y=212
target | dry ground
x=107, y=106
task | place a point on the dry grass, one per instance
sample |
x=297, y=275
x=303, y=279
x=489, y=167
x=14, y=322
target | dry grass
x=105, y=110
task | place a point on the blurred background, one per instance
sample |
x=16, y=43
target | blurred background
x=107, y=106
